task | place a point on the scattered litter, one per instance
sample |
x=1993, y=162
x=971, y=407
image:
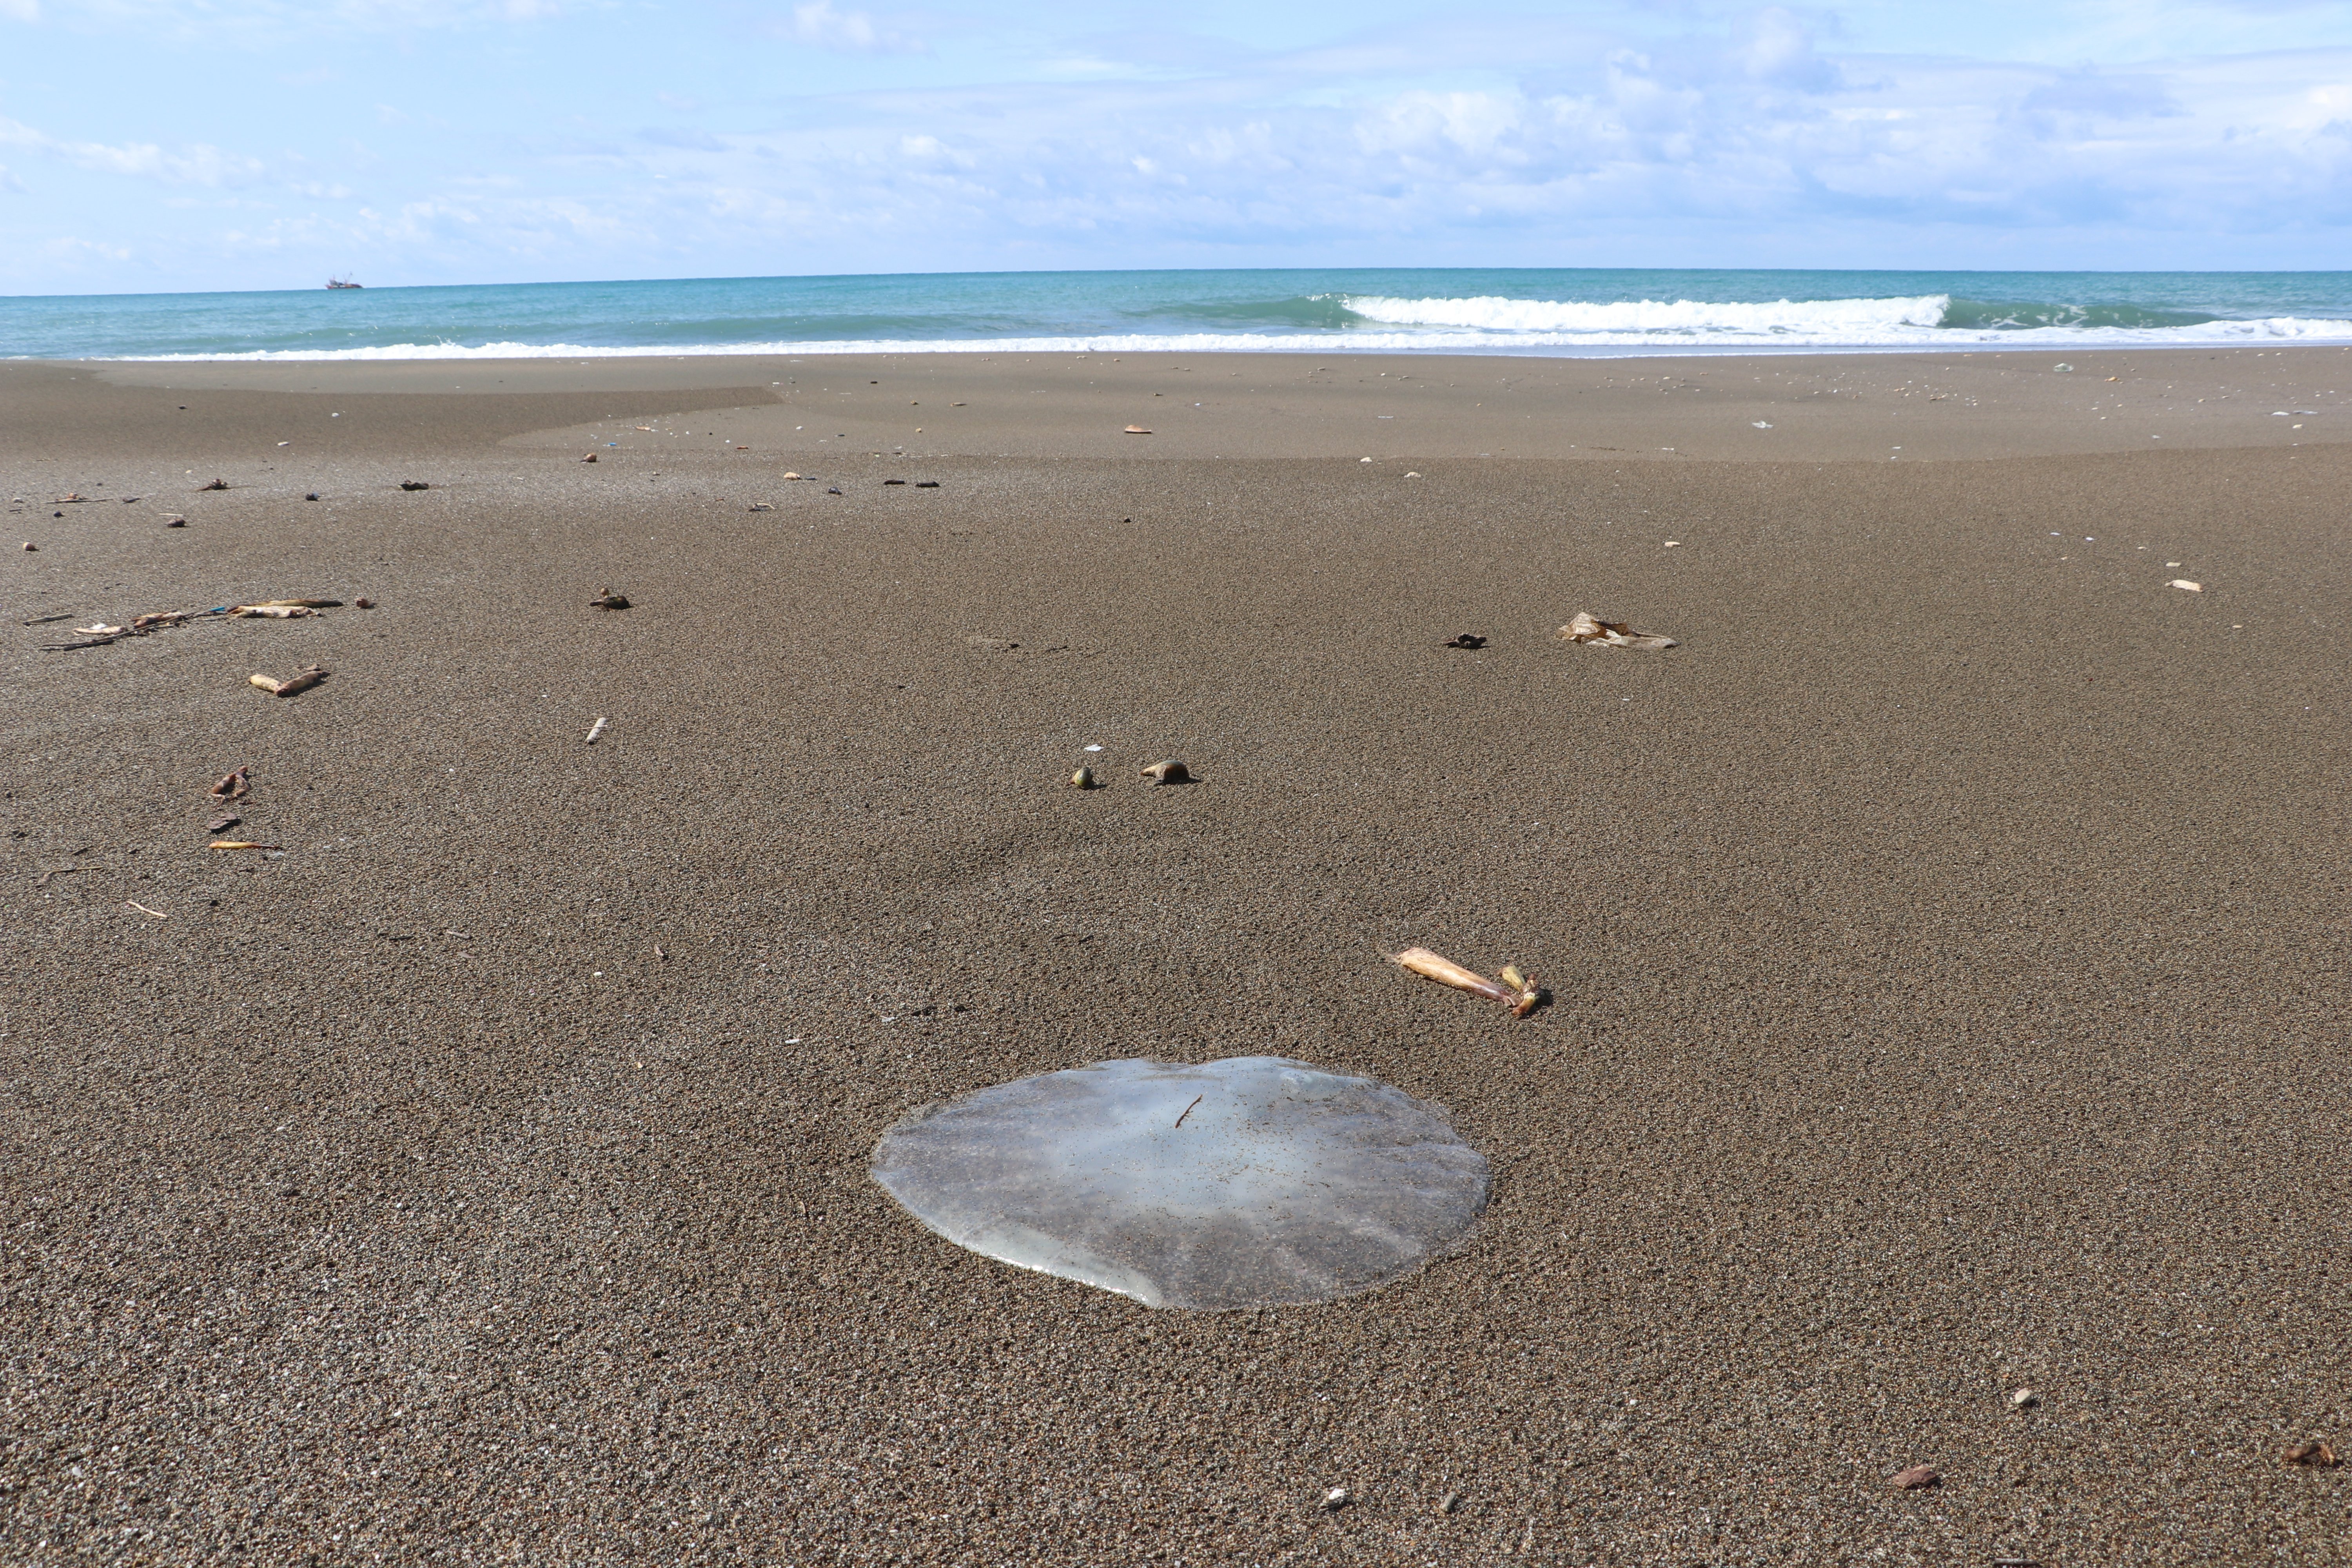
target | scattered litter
x=1094, y=748
x=69, y=498
x=144, y=909
x=927, y=484
x=609, y=600
x=223, y=824
x=215, y=485
x=240, y=843
x=1918, y=1477
x=30, y=545
x=363, y=604
x=1412, y=476
x=45, y=620
x=2023, y=1399
x=2184, y=584
x=2173, y=563
x=589, y=459
x=1335, y=1500
x=232, y=785
x=894, y=481
x=1082, y=779
x=2316, y=1454
x=311, y=496
x=99, y=631
x=1517, y=991
x=1587, y=629
x=790, y=474
x=1760, y=425
x=1466, y=640
x=175, y=522
x=596, y=729
x=2061, y=368
x=1135, y=430
x=1673, y=545
x=1168, y=772
x=829, y=489
x=415, y=485
x=761, y=506
x=292, y=687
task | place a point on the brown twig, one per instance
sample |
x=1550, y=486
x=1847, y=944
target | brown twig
x=1187, y=1110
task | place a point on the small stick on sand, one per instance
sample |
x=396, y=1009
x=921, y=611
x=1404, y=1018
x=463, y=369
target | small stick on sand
x=1187, y=1110
x=1519, y=994
x=596, y=729
x=144, y=910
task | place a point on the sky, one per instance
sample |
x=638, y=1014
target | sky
x=167, y=145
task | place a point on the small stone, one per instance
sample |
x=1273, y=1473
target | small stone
x=2023, y=1399
x=404, y=484
x=1450, y=1503
x=1466, y=640
x=312, y=495
x=1916, y=1479
x=833, y=489
x=30, y=545
x=223, y=824
x=363, y=604
x=1082, y=779
x=177, y=522
x=609, y=600
x=589, y=459
x=1336, y=1499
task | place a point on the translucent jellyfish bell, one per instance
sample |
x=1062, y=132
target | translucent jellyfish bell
x=1252, y=1182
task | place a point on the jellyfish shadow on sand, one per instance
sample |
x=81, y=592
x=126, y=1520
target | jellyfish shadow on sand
x=1252, y=1182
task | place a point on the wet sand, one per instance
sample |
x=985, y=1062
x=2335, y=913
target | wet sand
x=1947, y=942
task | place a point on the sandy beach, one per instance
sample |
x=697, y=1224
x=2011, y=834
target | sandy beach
x=1947, y=942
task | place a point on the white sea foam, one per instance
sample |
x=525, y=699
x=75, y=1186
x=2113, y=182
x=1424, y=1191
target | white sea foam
x=1481, y=325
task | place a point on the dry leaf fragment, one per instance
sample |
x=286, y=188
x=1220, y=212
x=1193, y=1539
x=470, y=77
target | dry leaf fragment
x=2316, y=1454
x=1168, y=772
x=223, y=824
x=300, y=682
x=232, y=785
x=2185, y=584
x=239, y=843
x=1135, y=430
x=215, y=485
x=1916, y=1479
x=790, y=474
x=159, y=620
x=1516, y=991
x=1589, y=628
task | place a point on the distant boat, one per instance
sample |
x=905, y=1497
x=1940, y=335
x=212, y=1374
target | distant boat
x=343, y=283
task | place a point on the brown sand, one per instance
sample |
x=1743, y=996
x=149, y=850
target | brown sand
x=1948, y=941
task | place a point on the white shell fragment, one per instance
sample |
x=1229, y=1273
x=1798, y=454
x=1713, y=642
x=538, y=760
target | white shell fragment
x=1255, y=1180
x=2186, y=585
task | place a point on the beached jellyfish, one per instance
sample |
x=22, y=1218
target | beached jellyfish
x=1255, y=1180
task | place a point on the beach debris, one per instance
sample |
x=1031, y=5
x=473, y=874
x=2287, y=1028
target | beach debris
x=589, y=459
x=761, y=506
x=404, y=484
x=2185, y=585
x=30, y=545
x=1135, y=430
x=927, y=484
x=1171, y=772
x=1516, y=991
x=1590, y=629
x=1412, y=476
x=270, y=612
x=363, y=604
x=295, y=685
x=1466, y=640
x=43, y=879
x=1082, y=779
x=1336, y=1499
x=99, y=631
x=232, y=785
x=833, y=489
x=69, y=498
x=595, y=730
x=1081, y=1173
x=175, y=522
x=792, y=474
x=240, y=843
x=609, y=600
x=2315, y=1454
x=1450, y=1503
x=1918, y=1478
x=2023, y=1399
x=45, y=620
x=1762, y=424
x=1673, y=545
x=215, y=485
x=2063, y=369
x=131, y=904
x=224, y=823
x=313, y=495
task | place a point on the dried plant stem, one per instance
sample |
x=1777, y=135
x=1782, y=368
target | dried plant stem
x=1519, y=994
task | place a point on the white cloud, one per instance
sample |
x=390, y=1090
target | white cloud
x=20, y=10
x=819, y=24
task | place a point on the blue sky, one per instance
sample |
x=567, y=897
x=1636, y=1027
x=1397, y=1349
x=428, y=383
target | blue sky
x=181, y=145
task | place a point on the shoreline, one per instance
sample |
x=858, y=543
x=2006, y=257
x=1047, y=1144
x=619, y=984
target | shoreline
x=1943, y=939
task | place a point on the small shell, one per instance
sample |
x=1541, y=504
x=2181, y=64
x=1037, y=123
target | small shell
x=1167, y=772
x=1336, y=1499
x=1082, y=779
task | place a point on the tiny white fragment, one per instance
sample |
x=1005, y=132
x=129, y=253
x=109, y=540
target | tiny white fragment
x=596, y=729
x=2185, y=584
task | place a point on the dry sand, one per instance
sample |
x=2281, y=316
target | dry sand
x=1948, y=941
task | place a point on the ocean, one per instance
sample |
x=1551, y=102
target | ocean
x=1453, y=311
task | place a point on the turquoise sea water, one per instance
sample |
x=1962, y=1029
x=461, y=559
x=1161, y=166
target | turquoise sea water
x=1449, y=309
